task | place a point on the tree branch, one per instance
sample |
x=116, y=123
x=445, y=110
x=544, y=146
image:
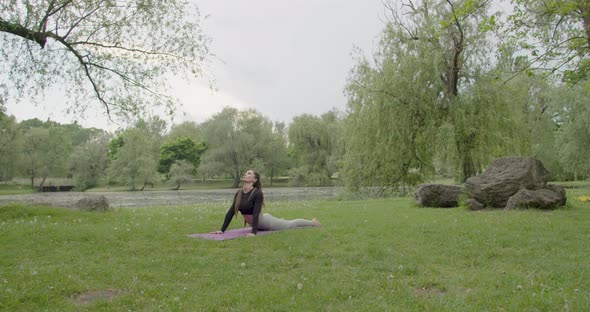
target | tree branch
x=23, y=32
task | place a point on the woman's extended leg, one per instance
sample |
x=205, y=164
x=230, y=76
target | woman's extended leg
x=268, y=222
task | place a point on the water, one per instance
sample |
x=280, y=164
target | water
x=170, y=198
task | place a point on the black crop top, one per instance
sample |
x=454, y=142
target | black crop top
x=250, y=204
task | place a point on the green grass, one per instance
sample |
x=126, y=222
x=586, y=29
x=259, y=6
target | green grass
x=573, y=184
x=370, y=255
x=8, y=189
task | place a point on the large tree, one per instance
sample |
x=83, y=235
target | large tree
x=430, y=52
x=88, y=161
x=313, y=142
x=236, y=140
x=120, y=52
x=134, y=163
x=45, y=153
x=182, y=148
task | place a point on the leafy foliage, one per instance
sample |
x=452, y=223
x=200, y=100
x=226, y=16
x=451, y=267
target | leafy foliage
x=117, y=51
x=182, y=148
x=314, y=143
x=556, y=35
x=237, y=140
x=88, y=162
x=134, y=163
x=181, y=172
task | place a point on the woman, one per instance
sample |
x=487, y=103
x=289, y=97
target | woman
x=249, y=202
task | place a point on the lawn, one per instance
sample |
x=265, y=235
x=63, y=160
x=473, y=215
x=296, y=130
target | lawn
x=9, y=189
x=370, y=255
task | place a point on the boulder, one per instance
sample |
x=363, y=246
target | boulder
x=473, y=204
x=437, y=195
x=93, y=203
x=504, y=177
x=550, y=197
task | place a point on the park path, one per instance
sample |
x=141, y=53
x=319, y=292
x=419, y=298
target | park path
x=169, y=198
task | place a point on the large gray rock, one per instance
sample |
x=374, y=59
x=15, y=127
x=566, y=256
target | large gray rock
x=551, y=197
x=504, y=177
x=93, y=203
x=437, y=195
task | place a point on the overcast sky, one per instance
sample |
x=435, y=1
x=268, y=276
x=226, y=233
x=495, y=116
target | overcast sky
x=282, y=58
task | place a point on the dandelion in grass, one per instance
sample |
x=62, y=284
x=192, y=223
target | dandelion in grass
x=243, y=265
x=300, y=286
x=584, y=199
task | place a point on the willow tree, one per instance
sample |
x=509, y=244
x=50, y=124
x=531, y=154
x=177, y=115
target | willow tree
x=313, y=144
x=430, y=52
x=573, y=139
x=115, y=54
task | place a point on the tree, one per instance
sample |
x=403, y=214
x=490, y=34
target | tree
x=118, y=51
x=46, y=152
x=10, y=141
x=573, y=137
x=235, y=139
x=33, y=146
x=313, y=142
x=430, y=52
x=182, y=148
x=278, y=160
x=556, y=34
x=88, y=161
x=134, y=163
x=189, y=129
x=181, y=172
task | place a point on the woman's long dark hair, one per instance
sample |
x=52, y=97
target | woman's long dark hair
x=257, y=187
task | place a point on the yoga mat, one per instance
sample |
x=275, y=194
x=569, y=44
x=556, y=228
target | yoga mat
x=231, y=234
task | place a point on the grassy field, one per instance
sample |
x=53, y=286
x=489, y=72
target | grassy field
x=370, y=255
x=9, y=189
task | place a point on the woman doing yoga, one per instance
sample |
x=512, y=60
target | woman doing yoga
x=249, y=200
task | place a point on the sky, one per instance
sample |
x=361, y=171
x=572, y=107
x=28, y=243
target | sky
x=282, y=58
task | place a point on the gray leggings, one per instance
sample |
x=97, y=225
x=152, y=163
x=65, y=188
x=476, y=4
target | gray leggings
x=270, y=223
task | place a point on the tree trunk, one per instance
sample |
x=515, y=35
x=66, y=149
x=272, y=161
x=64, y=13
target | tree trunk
x=42, y=182
x=468, y=167
x=177, y=187
x=272, y=168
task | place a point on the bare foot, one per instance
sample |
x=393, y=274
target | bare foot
x=315, y=222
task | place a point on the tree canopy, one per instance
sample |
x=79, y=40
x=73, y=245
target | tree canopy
x=119, y=52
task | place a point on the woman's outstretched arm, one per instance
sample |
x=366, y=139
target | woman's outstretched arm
x=229, y=215
x=258, y=200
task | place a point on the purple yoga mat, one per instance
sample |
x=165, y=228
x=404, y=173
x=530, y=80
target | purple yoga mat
x=231, y=234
